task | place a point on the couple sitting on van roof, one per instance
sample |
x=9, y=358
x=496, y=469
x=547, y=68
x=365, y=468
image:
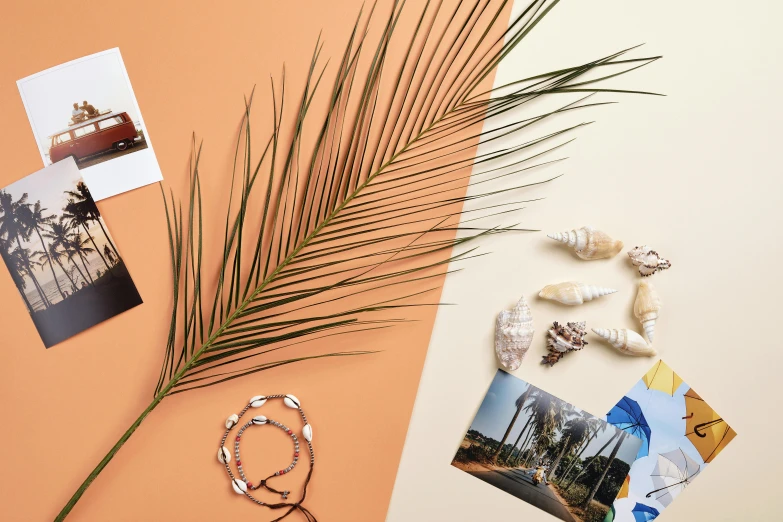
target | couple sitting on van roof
x=82, y=113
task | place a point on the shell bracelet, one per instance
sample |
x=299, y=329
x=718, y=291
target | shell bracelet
x=240, y=483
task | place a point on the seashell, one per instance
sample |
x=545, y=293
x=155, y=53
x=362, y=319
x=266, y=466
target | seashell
x=648, y=260
x=626, y=341
x=239, y=486
x=513, y=334
x=257, y=401
x=646, y=308
x=259, y=420
x=307, y=432
x=231, y=421
x=564, y=339
x=573, y=293
x=291, y=401
x=589, y=243
x=224, y=456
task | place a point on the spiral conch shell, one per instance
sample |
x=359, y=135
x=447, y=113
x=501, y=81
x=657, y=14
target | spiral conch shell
x=646, y=308
x=648, y=260
x=564, y=339
x=589, y=243
x=514, y=334
x=626, y=341
x=573, y=293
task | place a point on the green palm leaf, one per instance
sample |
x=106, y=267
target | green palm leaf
x=337, y=225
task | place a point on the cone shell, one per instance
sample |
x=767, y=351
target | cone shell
x=513, y=334
x=646, y=308
x=573, y=293
x=626, y=341
x=589, y=243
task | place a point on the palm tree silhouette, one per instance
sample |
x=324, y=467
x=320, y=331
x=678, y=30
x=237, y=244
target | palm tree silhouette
x=82, y=198
x=32, y=218
x=53, y=254
x=78, y=216
x=595, y=426
x=16, y=268
x=519, y=403
x=78, y=246
x=12, y=228
x=59, y=235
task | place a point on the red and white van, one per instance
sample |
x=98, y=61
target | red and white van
x=110, y=131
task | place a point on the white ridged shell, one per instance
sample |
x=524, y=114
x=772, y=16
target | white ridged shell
x=513, y=334
x=589, y=243
x=307, y=432
x=239, y=486
x=231, y=421
x=260, y=419
x=257, y=401
x=626, y=341
x=291, y=401
x=646, y=308
x=573, y=292
x=223, y=455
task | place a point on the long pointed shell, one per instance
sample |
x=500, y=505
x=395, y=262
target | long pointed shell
x=626, y=341
x=257, y=401
x=574, y=293
x=646, y=308
x=231, y=421
x=239, y=486
x=224, y=455
x=513, y=334
x=291, y=401
x=589, y=243
x=307, y=432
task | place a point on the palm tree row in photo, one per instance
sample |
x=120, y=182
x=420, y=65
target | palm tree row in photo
x=557, y=429
x=62, y=246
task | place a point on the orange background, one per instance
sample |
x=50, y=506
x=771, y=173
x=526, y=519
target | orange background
x=190, y=63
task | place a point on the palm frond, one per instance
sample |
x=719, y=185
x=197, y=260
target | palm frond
x=374, y=202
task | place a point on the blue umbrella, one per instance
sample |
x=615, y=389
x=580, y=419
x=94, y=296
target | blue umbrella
x=627, y=415
x=642, y=513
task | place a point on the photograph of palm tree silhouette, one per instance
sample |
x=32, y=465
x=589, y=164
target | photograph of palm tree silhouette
x=546, y=451
x=60, y=255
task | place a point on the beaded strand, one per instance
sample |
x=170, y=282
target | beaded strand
x=240, y=483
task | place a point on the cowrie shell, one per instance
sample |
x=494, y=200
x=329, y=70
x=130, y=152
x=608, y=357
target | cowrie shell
x=307, y=432
x=259, y=420
x=257, y=401
x=224, y=456
x=231, y=421
x=239, y=486
x=291, y=401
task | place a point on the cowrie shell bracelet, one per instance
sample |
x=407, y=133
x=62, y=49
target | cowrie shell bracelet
x=240, y=483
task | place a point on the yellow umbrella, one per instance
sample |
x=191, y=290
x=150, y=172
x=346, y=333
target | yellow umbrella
x=624, y=489
x=661, y=377
x=708, y=432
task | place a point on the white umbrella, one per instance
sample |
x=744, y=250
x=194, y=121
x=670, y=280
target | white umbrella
x=673, y=471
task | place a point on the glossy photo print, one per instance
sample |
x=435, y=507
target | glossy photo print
x=681, y=434
x=546, y=451
x=86, y=110
x=60, y=255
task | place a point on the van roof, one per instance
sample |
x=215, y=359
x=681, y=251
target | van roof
x=108, y=115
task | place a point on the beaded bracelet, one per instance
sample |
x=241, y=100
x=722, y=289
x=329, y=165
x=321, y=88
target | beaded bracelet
x=241, y=484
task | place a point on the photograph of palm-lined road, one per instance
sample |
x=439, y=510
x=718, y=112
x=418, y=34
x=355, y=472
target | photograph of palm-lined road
x=60, y=255
x=546, y=451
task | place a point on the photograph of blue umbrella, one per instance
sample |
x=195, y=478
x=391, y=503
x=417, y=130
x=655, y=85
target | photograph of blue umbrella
x=628, y=416
x=642, y=513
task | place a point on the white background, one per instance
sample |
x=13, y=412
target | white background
x=697, y=176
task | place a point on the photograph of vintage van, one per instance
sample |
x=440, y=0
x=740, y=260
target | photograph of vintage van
x=86, y=110
x=99, y=137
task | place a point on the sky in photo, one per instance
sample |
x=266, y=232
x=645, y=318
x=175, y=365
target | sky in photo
x=498, y=408
x=48, y=186
x=50, y=95
x=664, y=414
